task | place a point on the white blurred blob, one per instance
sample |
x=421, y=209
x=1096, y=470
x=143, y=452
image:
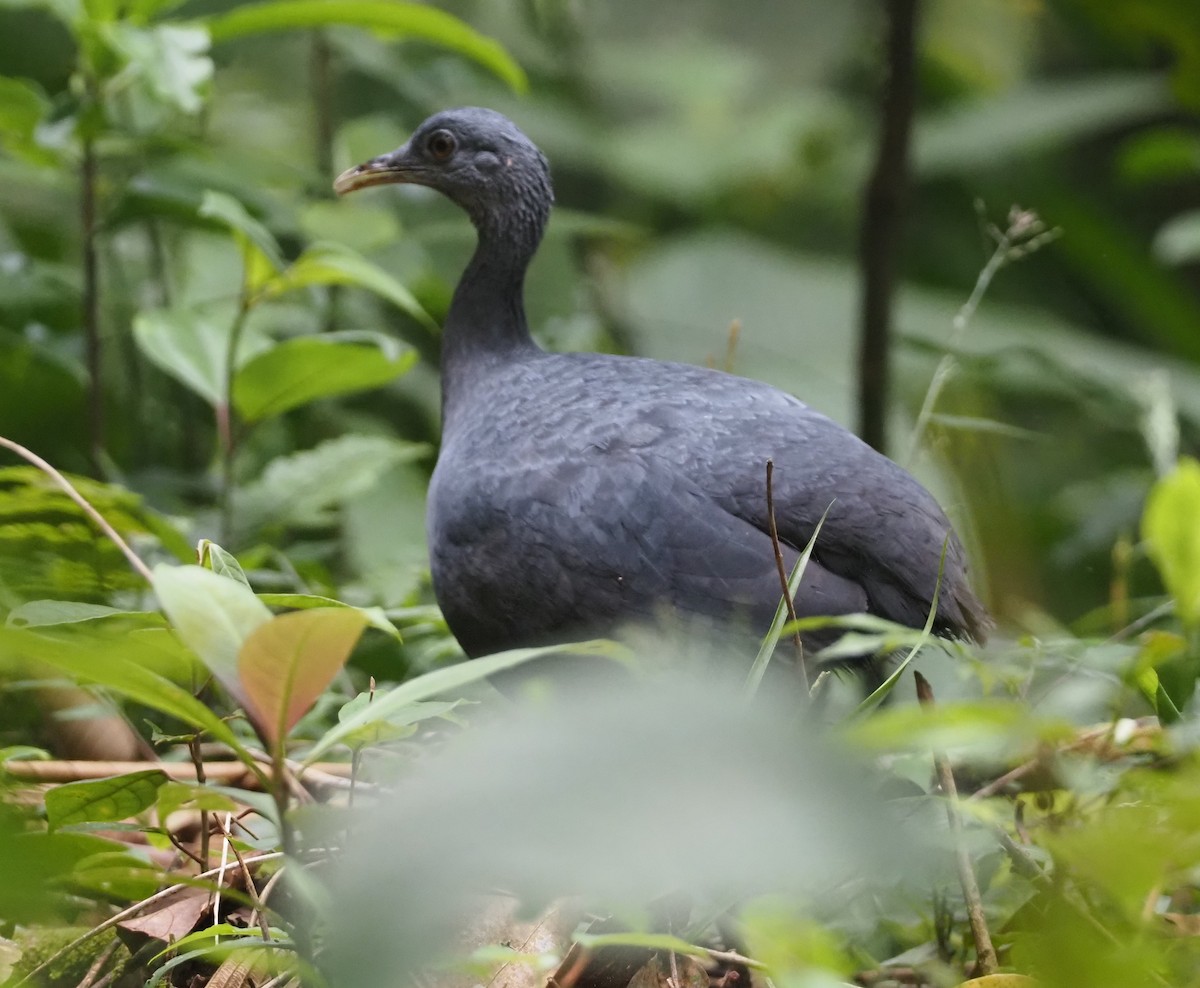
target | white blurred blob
x=615, y=792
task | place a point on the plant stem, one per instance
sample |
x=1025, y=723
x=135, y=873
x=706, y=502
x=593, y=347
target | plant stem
x=883, y=211
x=783, y=578
x=226, y=420
x=986, y=961
x=91, y=306
x=321, y=73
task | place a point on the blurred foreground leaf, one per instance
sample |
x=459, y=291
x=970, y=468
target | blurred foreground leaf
x=1171, y=527
x=388, y=17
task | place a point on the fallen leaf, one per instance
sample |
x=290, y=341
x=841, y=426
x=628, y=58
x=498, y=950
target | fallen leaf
x=173, y=921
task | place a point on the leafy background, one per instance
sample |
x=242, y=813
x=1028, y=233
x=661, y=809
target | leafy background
x=218, y=350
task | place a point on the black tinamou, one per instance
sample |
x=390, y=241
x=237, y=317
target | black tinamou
x=575, y=492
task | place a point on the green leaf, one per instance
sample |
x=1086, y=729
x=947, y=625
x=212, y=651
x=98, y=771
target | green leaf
x=22, y=107
x=1171, y=528
x=223, y=563
x=400, y=724
x=176, y=795
x=34, y=866
x=261, y=253
x=387, y=17
x=1047, y=114
x=288, y=662
x=335, y=264
x=191, y=347
x=440, y=681
x=1178, y=242
x=168, y=62
x=47, y=613
x=121, y=665
x=301, y=370
x=104, y=800
x=300, y=488
x=212, y=614
x=767, y=648
x=374, y=616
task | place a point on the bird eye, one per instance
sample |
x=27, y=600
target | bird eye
x=441, y=144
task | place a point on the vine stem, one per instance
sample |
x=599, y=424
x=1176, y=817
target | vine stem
x=69, y=489
x=226, y=425
x=986, y=961
x=88, y=175
x=1025, y=234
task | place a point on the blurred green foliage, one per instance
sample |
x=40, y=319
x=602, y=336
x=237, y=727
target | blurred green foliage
x=267, y=379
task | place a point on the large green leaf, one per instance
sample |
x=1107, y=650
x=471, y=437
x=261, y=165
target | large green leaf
x=304, y=369
x=981, y=133
x=103, y=800
x=334, y=264
x=288, y=662
x=191, y=346
x=300, y=488
x=48, y=613
x=212, y=614
x=403, y=20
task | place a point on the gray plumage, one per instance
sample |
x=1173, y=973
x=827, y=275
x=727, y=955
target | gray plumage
x=574, y=492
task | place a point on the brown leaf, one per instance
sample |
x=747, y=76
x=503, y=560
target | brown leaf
x=286, y=663
x=174, y=920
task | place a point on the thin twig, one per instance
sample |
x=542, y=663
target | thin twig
x=79, y=499
x=986, y=961
x=883, y=214
x=89, y=979
x=201, y=778
x=263, y=926
x=88, y=178
x=227, y=418
x=1024, y=234
x=781, y=569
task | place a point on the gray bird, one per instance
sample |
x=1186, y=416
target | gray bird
x=576, y=492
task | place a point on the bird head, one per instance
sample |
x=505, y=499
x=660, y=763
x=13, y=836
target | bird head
x=476, y=157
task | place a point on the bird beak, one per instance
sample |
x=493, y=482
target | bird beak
x=387, y=169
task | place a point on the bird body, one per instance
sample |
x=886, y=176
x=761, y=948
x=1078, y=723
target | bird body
x=576, y=492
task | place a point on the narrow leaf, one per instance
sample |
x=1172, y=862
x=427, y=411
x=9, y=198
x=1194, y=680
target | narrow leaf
x=405, y=20
x=441, y=681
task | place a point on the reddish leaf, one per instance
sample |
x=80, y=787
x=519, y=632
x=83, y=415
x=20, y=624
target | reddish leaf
x=176, y=919
x=286, y=663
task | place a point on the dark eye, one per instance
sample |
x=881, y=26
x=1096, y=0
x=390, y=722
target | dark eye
x=441, y=144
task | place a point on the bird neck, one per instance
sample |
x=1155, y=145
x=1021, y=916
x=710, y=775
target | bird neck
x=486, y=324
